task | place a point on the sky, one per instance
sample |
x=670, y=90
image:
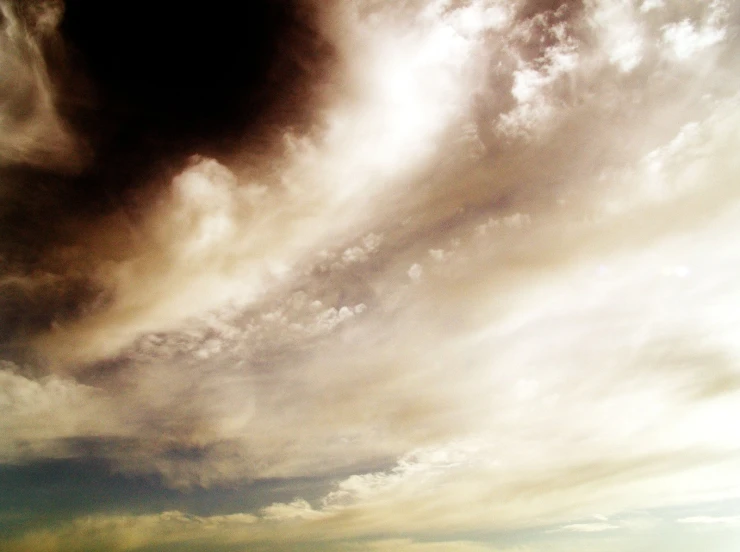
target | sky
x=370, y=276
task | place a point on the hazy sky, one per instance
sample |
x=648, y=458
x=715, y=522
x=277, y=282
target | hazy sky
x=370, y=276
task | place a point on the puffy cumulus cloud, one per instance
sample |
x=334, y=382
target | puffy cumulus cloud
x=558, y=66
x=33, y=132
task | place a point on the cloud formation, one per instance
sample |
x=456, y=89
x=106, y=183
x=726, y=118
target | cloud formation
x=33, y=131
x=489, y=290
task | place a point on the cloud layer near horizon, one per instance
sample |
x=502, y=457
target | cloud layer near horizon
x=495, y=281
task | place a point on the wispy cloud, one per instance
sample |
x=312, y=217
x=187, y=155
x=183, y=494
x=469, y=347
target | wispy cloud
x=33, y=132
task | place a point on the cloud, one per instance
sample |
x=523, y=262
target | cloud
x=588, y=527
x=33, y=132
x=509, y=309
x=40, y=415
x=491, y=290
x=170, y=529
x=710, y=520
x=298, y=509
x=233, y=234
x=132, y=532
x=408, y=545
x=444, y=490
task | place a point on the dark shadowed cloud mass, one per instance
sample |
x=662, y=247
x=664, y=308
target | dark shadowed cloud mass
x=368, y=276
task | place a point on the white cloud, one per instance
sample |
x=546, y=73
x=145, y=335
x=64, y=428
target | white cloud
x=685, y=40
x=408, y=545
x=298, y=509
x=588, y=527
x=38, y=415
x=415, y=272
x=711, y=520
x=621, y=33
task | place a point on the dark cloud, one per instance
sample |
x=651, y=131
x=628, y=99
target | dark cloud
x=146, y=86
